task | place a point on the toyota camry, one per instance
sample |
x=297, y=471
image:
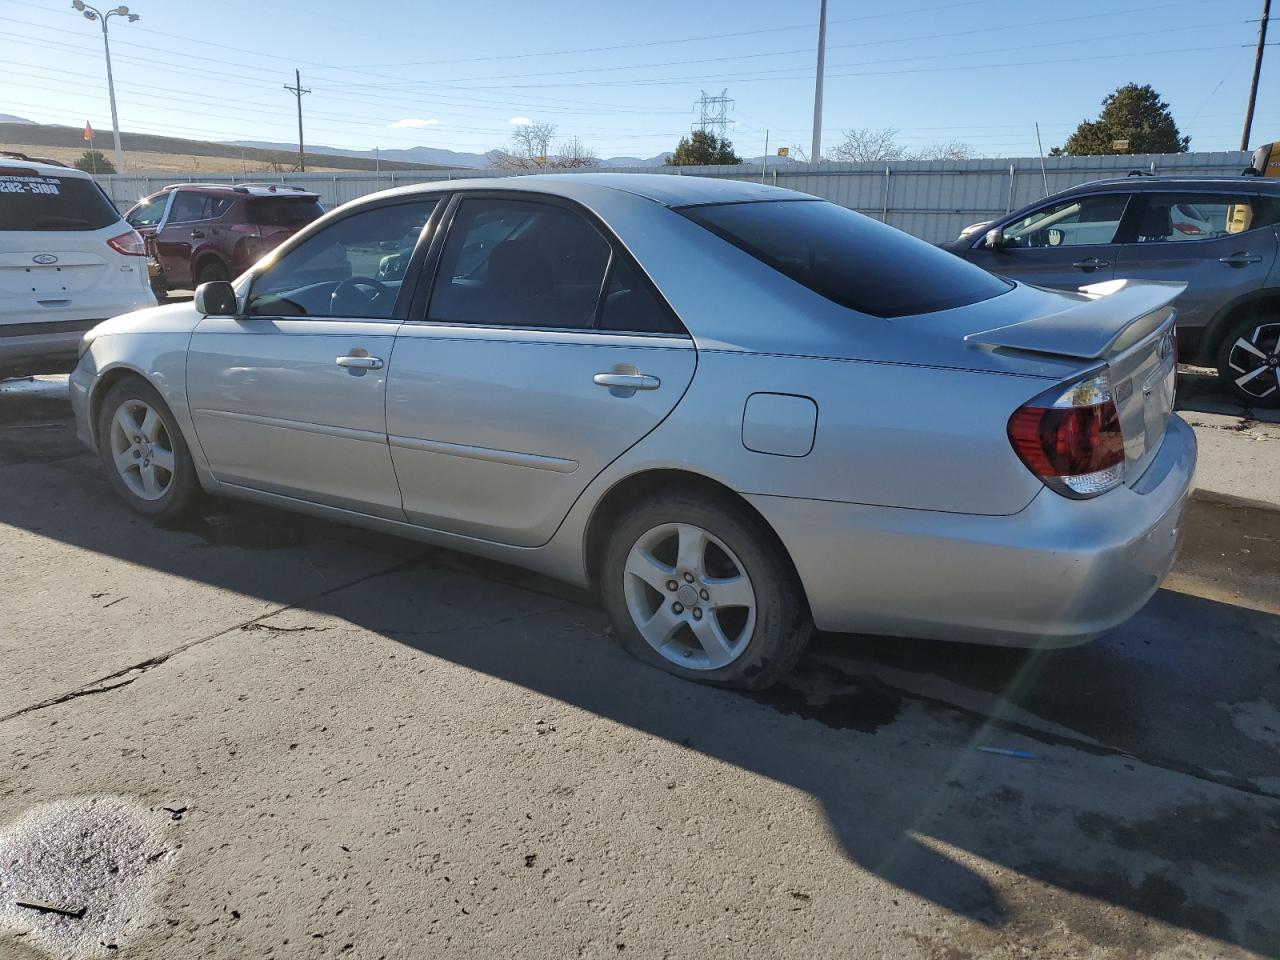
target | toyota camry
x=739, y=412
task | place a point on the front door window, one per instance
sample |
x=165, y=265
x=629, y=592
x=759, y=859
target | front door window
x=1070, y=223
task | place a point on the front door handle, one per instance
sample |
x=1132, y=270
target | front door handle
x=197, y=234
x=360, y=363
x=628, y=381
x=1090, y=264
x=1240, y=259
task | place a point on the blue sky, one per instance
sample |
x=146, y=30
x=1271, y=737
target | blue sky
x=624, y=76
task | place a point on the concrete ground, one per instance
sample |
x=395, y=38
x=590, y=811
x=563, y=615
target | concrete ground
x=258, y=735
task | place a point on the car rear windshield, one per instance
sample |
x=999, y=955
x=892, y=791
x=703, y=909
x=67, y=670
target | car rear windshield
x=34, y=201
x=850, y=259
x=284, y=211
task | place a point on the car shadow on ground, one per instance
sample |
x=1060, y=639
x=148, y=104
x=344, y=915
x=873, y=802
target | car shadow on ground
x=1129, y=783
x=1201, y=390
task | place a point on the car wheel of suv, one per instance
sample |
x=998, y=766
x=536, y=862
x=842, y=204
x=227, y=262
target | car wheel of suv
x=212, y=270
x=1249, y=360
x=696, y=587
x=143, y=451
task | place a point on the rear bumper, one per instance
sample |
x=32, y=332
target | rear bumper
x=49, y=344
x=1058, y=573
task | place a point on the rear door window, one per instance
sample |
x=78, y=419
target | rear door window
x=631, y=305
x=519, y=263
x=850, y=259
x=284, y=211
x=1179, y=218
x=35, y=201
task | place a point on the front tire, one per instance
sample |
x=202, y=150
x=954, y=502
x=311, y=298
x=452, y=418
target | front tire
x=1249, y=360
x=696, y=587
x=143, y=451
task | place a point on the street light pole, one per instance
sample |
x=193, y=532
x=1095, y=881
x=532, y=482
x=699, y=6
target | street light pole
x=93, y=13
x=816, y=153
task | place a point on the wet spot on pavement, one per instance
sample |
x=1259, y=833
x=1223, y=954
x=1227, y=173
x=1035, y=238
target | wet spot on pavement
x=834, y=699
x=89, y=871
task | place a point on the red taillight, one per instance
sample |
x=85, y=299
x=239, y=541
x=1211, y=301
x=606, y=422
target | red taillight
x=1071, y=438
x=130, y=244
x=1187, y=228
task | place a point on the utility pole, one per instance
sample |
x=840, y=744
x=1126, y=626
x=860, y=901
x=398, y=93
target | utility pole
x=1257, y=70
x=713, y=113
x=816, y=153
x=298, y=90
x=93, y=13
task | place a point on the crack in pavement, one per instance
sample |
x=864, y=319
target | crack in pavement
x=126, y=676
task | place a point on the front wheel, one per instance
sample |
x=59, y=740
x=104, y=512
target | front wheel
x=142, y=449
x=696, y=587
x=1249, y=360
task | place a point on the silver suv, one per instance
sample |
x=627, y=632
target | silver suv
x=1220, y=235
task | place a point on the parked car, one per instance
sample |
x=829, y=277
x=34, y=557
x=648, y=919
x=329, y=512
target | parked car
x=738, y=410
x=1218, y=234
x=68, y=260
x=202, y=232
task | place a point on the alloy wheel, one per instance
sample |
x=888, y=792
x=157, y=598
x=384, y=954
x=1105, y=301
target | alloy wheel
x=689, y=596
x=1254, y=360
x=142, y=450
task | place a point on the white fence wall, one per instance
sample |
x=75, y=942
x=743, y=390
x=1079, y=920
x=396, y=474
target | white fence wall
x=932, y=199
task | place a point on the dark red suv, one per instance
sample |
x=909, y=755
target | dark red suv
x=201, y=231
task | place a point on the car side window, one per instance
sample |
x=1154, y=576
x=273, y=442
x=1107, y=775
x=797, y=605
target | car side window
x=1070, y=223
x=1181, y=217
x=519, y=263
x=147, y=213
x=217, y=206
x=187, y=206
x=354, y=267
x=630, y=304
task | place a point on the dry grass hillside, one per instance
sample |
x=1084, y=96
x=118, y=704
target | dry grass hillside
x=149, y=153
x=148, y=162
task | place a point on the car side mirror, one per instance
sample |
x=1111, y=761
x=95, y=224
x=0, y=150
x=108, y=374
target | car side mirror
x=994, y=239
x=217, y=298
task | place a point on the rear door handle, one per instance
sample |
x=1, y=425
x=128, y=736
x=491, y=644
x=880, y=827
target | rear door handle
x=197, y=234
x=628, y=381
x=360, y=363
x=1091, y=263
x=1240, y=259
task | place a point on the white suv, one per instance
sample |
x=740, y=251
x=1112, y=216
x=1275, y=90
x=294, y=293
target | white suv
x=68, y=260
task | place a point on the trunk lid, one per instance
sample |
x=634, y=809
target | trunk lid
x=1127, y=325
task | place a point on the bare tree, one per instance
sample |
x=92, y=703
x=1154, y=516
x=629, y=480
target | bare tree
x=943, y=150
x=573, y=154
x=531, y=150
x=865, y=145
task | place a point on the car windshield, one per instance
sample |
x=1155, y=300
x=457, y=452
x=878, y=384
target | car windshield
x=850, y=259
x=32, y=201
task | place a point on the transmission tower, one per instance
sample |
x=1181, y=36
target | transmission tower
x=713, y=113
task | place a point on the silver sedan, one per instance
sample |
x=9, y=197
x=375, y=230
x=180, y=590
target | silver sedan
x=740, y=412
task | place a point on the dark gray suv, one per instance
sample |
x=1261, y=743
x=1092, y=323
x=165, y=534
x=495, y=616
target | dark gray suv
x=1219, y=235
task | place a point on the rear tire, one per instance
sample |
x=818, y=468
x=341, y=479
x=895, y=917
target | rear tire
x=736, y=616
x=1249, y=360
x=143, y=451
x=212, y=270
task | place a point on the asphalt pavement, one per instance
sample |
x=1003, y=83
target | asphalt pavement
x=254, y=734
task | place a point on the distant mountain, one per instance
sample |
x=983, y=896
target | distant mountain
x=435, y=155
x=10, y=118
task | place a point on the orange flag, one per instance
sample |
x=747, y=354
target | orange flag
x=88, y=132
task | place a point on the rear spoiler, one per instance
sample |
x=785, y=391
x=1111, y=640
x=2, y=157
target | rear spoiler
x=1111, y=316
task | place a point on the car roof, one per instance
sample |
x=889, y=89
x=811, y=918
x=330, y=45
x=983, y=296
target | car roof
x=245, y=189
x=1144, y=182
x=668, y=189
x=44, y=168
